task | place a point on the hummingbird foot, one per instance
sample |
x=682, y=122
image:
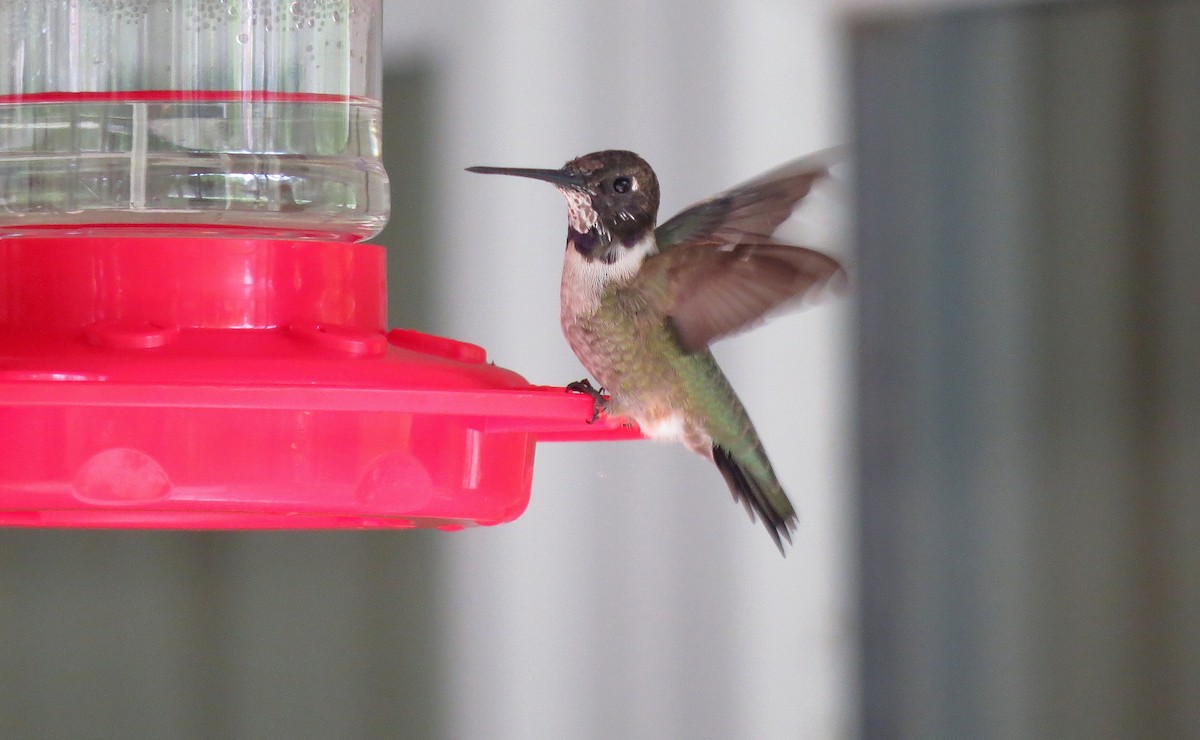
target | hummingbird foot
x=599, y=402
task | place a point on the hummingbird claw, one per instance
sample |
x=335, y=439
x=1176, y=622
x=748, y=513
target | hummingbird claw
x=599, y=402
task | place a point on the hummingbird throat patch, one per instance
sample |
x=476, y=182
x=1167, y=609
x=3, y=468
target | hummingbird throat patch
x=580, y=213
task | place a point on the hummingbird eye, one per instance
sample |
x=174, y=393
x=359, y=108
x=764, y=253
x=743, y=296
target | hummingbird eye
x=622, y=184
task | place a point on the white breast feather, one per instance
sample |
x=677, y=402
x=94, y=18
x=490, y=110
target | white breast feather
x=584, y=280
x=669, y=428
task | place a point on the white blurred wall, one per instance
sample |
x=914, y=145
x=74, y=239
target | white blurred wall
x=633, y=599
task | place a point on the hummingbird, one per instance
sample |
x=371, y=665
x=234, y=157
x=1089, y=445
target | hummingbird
x=641, y=303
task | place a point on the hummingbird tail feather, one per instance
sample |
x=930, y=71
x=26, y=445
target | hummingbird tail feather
x=754, y=495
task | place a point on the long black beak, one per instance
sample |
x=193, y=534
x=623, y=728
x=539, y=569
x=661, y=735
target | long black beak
x=561, y=178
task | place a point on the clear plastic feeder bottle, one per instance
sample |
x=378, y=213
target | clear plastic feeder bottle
x=238, y=118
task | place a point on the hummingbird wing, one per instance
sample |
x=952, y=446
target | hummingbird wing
x=750, y=212
x=711, y=289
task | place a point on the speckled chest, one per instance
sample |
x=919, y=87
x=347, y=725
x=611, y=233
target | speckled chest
x=594, y=323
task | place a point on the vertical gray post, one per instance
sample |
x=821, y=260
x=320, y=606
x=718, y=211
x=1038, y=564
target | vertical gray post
x=1029, y=413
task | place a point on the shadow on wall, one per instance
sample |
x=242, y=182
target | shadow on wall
x=269, y=635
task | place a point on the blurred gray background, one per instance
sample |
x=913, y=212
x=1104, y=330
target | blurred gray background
x=994, y=442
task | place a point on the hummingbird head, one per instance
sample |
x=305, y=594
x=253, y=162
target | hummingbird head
x=612, y=200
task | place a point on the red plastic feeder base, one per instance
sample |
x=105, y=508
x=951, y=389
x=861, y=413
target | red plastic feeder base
x=249, y=383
